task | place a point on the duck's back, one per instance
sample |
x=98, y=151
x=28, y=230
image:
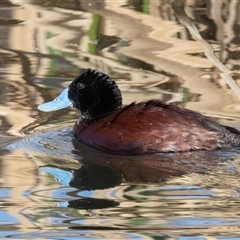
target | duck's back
x=154, y=126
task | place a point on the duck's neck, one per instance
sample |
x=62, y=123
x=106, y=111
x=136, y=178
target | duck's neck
x=97, y=113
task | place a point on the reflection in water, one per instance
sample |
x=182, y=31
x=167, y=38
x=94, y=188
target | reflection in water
x=88, y=177
x=141, y=44
x=114, y=192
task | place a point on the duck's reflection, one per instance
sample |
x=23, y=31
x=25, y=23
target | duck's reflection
x=88, y=177
x=103, y=171
x=151, y=168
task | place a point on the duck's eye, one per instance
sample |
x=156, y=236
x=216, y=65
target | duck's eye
x=80, y=85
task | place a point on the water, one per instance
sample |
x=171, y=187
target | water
x=53, y=187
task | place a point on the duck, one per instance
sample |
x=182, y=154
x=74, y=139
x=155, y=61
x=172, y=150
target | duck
x=147, y=127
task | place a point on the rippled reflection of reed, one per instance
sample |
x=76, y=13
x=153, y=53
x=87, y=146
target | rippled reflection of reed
x=149, y=57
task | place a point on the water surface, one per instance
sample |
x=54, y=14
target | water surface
x=51, y=186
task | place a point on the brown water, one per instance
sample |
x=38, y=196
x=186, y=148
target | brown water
x=152, y=50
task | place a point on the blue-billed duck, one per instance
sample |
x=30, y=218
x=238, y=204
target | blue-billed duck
x=146, y=127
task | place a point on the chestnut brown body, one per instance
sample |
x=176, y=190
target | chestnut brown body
x=154, y=126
